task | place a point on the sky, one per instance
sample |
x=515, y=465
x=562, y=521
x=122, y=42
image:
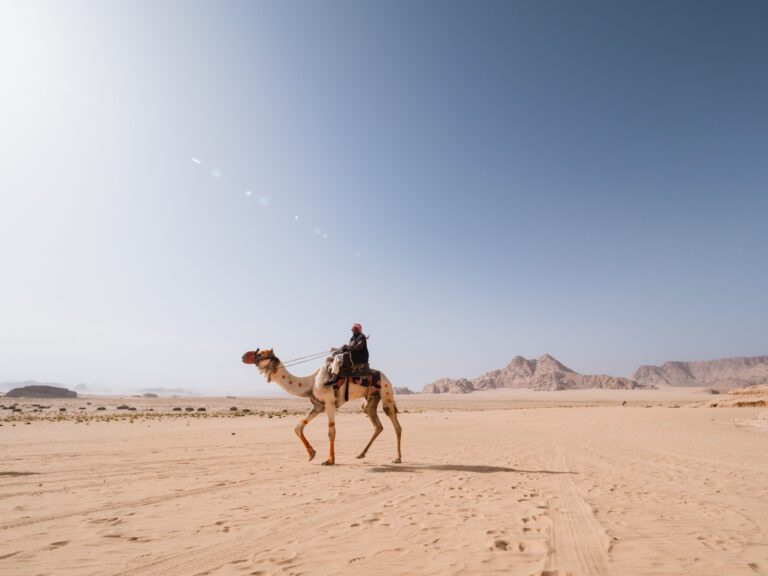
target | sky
x=182, y=181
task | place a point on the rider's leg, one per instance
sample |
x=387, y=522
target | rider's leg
x=336, y=368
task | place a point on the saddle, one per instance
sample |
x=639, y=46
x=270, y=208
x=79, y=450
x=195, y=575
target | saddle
x=361, y=374
x=356, y=370
x=365, y=377
x=371, y=380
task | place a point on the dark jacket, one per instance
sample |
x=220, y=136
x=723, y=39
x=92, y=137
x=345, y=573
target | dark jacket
x=357, y=348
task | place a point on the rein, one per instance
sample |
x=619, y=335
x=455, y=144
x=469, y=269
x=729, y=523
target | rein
x=305, y=359
x=274, y=361
x=272, y=367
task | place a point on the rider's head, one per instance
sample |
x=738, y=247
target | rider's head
x=356, y=328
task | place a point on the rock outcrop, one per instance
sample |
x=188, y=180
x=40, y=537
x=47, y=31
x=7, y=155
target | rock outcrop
x=164, y=392
x=40, y=391
x=544, y=373
x=751, y=397
x=449, y=386
x=723, y=374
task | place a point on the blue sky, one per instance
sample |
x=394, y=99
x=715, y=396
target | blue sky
x=472, y=181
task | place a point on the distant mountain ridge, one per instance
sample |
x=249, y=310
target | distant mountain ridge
x=722, y=374
x=10, y=385
x=544, y=373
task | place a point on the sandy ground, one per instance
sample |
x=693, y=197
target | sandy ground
x=491, y=484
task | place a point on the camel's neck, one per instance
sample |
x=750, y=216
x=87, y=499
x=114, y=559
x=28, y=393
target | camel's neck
x=294, y=385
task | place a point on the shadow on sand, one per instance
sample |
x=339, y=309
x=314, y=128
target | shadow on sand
x=477, y=469
x=18, y=473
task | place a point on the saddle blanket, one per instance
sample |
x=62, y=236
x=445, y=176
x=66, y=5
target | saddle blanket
x=373, y=378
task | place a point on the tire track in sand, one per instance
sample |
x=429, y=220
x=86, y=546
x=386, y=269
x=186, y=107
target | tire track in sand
x=203, y=560
x=156, y=471
x=218, y=486
x=579, y=543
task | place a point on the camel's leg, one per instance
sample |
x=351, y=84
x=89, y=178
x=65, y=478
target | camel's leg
x=388, y=398
x=370, y=410
x=330, y=411
x=300, y=430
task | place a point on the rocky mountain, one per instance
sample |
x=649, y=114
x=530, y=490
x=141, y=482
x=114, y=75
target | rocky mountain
x=544, y=373
x=750, y=397
x=722, y=374
x=41, y=391
x=444, y=385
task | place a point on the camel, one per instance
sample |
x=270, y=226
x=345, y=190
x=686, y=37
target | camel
x=324, y=398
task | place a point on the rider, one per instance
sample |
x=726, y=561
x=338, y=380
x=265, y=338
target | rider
x=356, y=353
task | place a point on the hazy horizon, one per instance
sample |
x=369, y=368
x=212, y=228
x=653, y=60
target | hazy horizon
x=185, y=181
x=102, y=389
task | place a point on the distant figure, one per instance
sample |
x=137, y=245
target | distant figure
x=352, y=356
x=624, y=403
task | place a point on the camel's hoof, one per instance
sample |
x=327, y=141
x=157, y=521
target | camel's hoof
x=312, y=455
x=397, y=461
x=328, y=463
x=360, y=456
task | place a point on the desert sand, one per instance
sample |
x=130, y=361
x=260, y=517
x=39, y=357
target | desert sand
x=505, y=482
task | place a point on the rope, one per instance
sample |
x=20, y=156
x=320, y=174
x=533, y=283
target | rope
x=305, y=359
x=307, y=356
x=301, y=362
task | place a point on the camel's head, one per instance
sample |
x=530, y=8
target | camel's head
x=261, y=358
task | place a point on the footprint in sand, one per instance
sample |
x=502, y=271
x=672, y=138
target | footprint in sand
x=500, y=545
x=111, y=521
x=533, y=547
